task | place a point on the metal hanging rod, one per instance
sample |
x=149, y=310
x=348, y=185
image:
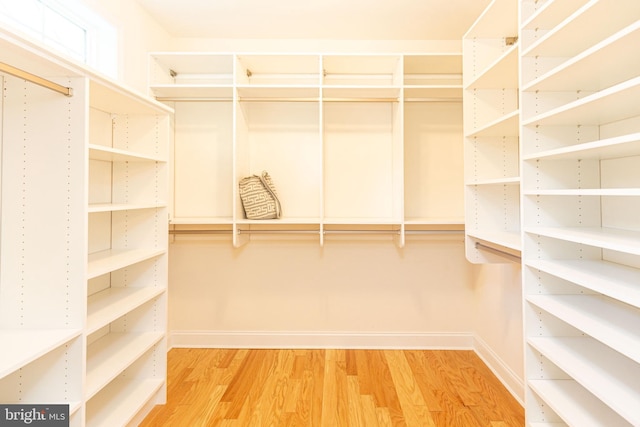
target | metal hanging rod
x=206, y=99
x=325, y=232
x=504, y=254
x=25, y=75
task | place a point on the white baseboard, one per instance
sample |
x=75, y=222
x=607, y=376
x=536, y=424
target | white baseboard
x=221, y=339
x=507, y=377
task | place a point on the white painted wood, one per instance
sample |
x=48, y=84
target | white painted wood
x=580, y=186
x=491, y=143
x=106, y=306
x=575, y=405
x=582, y=357
x=120, y=401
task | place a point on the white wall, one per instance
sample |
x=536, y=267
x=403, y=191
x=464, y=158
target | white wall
x=138, y=34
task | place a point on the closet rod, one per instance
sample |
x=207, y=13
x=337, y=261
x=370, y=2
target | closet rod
x=275, y=99
x=316, y=232
x=433, y=100
x=504, y=254
x=16, y=72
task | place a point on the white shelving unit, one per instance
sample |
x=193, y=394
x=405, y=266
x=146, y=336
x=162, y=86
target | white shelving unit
x=351, y=141
x=491, y=135
x=83, y=277
x=580, y=124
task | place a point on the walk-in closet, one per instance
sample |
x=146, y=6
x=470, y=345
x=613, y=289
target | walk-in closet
x=456, y=241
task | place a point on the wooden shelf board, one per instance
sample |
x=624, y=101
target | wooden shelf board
x=572, y=403
x=108, y=305
x=202, y=220
x=29, y=345
x=613, y=280
x=611, y=377
x=112, y=354
x=609, y=148
x=616, y=324
x=193, y=90
x=607, y=238
x=500, y=74
x=506, y=125
x=609, y=105
x=114, y=207
x=506, y=239
x=585, y=192
x=551, y=14
x=120, y=401
x=568, y=37
x=112, y=259
x=496, y=181
x=499, y=19
x=108, y=154
x=599, y=67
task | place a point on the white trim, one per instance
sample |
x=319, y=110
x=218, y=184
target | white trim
x=303, y=339
x=505, y=374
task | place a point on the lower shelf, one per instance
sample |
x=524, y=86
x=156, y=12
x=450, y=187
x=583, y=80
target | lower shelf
x=617, y=386
x=118, y=403
x=575, y=405
x=110, y=355
x=28, y=345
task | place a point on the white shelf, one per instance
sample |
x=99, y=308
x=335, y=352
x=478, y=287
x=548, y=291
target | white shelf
x=497, y=181
x=390, y=93
x=499, y=19
x=266, y=92
x=29, y=345
x=500, y=74
x=114, y=207
x=110, y=304
x=575, y=405
x=108, y=154
x=112, y=354
x=506, y=125
x=616, y=325
x=551, y=14
x=568, y=37
x=118, y=403
x=614, y=103
x=201, y=220
x=507, y=239
x=608, y=238
x=585, y=192
x=613, y=280
x=581, y=358
x=282, y=221
x=609, y=148
x=110, y=260
x=602, y=65
x=195, y=91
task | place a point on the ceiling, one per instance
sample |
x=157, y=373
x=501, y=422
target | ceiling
x=315, y=19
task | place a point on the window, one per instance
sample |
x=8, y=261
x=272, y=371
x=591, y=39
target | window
x=68, y=27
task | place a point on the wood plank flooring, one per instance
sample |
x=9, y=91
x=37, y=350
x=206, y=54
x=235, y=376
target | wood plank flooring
x=368, y=388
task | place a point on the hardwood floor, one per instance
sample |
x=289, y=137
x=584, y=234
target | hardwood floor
x=369, y=388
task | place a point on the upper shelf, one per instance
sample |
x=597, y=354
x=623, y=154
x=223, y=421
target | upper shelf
x=603, y=65
x=615, y=103
x=499, y=19
x=568, y=38
x=500, y=74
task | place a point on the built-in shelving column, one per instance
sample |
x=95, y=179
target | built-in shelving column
x=127, y=269
x=42, y=233
x=580, y=82
x=362, y=143
x=491, y=152
x=278, y=131
x=433, y=148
